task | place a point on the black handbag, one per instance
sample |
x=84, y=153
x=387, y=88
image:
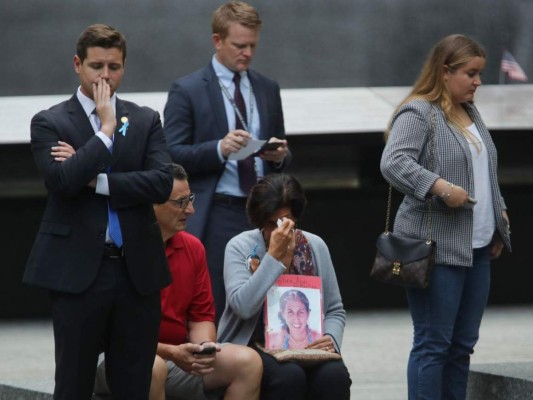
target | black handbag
x=403, y=260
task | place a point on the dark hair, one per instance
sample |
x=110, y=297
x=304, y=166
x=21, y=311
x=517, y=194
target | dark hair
x=100, y=35
x=271, y=193
x=179, y=173
x=234, y=11
x=285, y=298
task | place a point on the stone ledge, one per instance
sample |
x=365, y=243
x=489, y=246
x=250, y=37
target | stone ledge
x=8, y=392
x=501, y=381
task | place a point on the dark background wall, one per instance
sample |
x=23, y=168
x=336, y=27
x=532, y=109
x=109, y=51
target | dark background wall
x=304, y=43
x=349, y=220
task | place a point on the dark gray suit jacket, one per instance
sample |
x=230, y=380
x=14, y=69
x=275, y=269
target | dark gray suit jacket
x=195, y=120
x=67, y=252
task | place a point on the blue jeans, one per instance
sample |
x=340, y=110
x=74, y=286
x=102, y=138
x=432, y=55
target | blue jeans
x=446, y=319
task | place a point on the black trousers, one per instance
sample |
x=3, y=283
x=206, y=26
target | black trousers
x=290, y=381
x=225, y=221
x=109, y=316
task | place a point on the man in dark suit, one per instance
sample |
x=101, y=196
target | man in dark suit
x=99, y=248
x=213, y=113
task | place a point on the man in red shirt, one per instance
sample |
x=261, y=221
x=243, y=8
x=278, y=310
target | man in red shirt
x=187, y=322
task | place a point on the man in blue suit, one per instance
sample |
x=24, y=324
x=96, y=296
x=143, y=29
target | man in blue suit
x=99, y=249
x=213, y=113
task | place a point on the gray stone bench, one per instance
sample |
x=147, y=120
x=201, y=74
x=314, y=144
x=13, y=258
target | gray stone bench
x=501, y=381
x=13, y=392
x=43, y=391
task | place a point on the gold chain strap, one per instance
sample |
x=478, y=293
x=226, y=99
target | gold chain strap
x=431, y=156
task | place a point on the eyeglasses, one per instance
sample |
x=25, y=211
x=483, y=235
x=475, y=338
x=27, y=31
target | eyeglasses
x=183, y=203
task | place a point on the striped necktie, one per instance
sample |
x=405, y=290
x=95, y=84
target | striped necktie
x=246, y=167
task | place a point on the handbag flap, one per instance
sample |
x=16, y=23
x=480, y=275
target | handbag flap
x=403, y=248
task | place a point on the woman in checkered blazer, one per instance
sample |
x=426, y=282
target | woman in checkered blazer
x=469, y=217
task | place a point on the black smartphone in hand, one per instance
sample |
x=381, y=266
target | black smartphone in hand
x=268, y=146
x=206, y=350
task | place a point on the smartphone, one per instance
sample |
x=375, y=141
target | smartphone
x=206, y=350
x=470, y=203
x=268, y=146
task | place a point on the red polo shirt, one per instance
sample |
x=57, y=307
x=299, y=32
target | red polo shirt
x=189, y=296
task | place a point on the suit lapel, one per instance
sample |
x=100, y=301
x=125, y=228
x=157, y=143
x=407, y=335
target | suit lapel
x=262, y=104
x=82, y=126
x=119, y=139
x=458, y=135
x=214, y=94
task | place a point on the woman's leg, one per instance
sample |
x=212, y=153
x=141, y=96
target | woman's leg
x=329, y=380
x=282, y=381
x=466, y=331
x=434, y=312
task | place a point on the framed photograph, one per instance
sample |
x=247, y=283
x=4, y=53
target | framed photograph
x=294, y=312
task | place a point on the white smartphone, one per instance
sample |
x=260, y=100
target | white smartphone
x=470, y=203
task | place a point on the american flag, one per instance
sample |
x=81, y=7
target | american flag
x=512, y=68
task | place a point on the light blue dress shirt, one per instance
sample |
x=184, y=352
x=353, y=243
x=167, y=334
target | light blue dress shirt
x=229, y=181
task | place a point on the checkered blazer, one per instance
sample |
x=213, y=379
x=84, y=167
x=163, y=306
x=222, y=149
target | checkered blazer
x=405, y=164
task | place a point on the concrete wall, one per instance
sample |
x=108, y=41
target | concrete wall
x=304, y=43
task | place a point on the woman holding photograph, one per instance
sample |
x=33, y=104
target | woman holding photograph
x=254, y=260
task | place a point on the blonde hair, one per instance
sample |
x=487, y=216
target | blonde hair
x=234, y=11
x=451, y=52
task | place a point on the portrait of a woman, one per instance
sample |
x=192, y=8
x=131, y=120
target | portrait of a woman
x=293, y=314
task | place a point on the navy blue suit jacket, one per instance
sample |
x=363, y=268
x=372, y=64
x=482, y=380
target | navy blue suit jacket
x=195, y=120
x=67, y=252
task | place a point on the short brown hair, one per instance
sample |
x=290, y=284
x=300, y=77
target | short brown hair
x=100, y=35
x=234, y=11
x=271, y=193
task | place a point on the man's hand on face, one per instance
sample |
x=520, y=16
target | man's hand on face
x=102, y=99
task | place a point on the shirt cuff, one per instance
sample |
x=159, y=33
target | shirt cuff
x=102, y=184
x=108, y=142
x=219, y=151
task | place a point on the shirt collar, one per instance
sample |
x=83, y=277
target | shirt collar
x=89, y=104
x=173, y=244
x=225, y=75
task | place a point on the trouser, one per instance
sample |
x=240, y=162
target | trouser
x=446, y=318
x=290, y=381
x=225, y=221
x=109, y=316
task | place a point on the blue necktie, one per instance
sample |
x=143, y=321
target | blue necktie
x=113, y=225
x=112, y=221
